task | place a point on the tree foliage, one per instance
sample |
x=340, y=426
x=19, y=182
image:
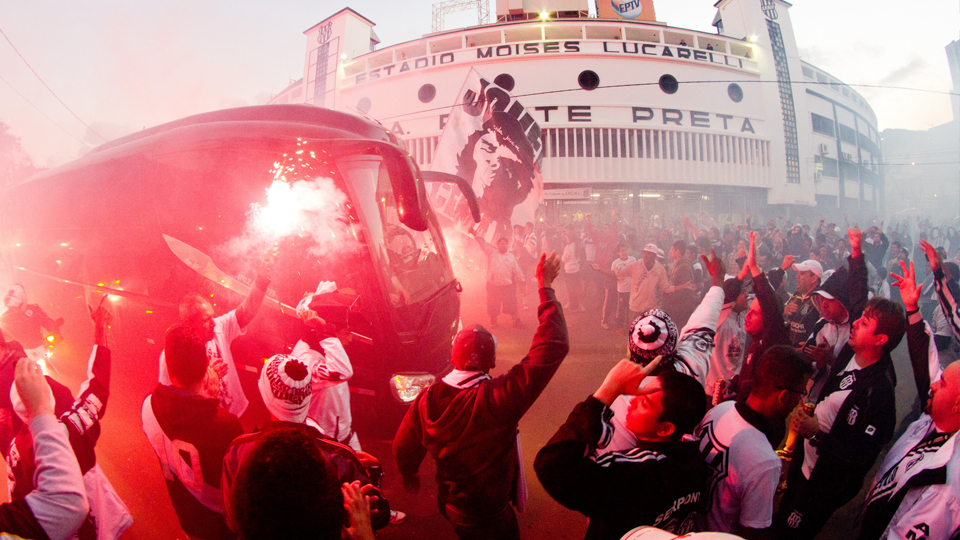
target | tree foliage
x=15, y=163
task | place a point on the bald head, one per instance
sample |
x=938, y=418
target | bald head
x=944, y=403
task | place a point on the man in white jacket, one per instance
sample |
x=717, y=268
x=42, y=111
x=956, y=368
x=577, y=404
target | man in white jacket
x=321, y=349
x=916, y=493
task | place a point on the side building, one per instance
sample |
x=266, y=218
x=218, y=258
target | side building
x=634, y=113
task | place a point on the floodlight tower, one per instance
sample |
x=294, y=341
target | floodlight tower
x=441, y=9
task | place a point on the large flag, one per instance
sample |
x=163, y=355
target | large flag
x=490, y=141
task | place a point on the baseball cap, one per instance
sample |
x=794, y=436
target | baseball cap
x=474, y=349
x=809, y=265
x=285, y=388
x=652, y=248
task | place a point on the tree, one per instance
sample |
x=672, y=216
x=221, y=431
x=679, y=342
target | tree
x=15, y=163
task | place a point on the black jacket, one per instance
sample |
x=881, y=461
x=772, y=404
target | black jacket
x=657, y=483
x=775, y=332
x=865, y=421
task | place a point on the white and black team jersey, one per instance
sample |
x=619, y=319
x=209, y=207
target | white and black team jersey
x=744, y=471
x=917, y=491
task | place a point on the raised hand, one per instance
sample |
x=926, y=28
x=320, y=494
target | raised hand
x=267, y=260
x=714, y=266
x=856, y=241
x=101, y=318
x=932, y=255
x=33, y=388
x=624, y=379
x=787, y=263
x=909, y=289
x=548, y=268
x=752, y=256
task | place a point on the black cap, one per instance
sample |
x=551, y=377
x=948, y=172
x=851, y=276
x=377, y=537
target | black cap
x=474, y=349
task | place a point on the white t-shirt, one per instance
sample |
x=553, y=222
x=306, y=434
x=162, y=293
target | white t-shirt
x=571, y=261
x=826, y=412
x=623, y=284
x=744, y=474
x=330, y=399
x=225, y=330
x=730, y=348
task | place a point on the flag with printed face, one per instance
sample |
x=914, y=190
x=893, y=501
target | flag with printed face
x=490, y=141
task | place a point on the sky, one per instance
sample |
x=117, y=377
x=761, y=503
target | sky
x=123, y=65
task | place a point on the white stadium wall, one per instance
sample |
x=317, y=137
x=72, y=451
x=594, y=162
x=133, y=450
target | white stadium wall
x=737, y=118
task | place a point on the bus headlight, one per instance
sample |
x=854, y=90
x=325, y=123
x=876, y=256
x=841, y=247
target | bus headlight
x=407, y=386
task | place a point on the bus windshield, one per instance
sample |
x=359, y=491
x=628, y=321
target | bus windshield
x=414, y=263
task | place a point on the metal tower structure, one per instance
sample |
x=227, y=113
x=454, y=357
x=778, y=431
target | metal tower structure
x=446, y=7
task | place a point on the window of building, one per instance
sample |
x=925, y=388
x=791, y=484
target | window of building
x=823, y=125
x=848, y=134
x=851, y=171
x=827, y=166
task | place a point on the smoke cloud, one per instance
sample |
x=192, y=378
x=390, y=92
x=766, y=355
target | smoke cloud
x=309, y=209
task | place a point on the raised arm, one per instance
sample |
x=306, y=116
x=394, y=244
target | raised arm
x=857, y=276
x=948, y=292
x=59, y=503
x=513, y=393
x=484, y=245
x=775, y=328
x=251, y=304
x=83, y=418
x=924, y=357
x=696, y=337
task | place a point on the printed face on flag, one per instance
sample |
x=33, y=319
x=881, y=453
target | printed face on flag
x=494, y=144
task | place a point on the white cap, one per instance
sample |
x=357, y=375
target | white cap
x=809, y=265
x=652, y=248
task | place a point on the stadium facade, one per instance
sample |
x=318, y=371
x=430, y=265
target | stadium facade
x=630, y=109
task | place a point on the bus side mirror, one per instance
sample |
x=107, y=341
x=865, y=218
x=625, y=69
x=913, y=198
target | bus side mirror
x=465, y=188
x=408, y=191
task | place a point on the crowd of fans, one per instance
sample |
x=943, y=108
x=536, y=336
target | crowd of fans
x=759, y=363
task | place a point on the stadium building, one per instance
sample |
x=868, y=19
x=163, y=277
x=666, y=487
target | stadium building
x=632, y=112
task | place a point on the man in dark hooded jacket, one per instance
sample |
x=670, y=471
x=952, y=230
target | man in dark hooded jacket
x=840, y=301
x=468, y=422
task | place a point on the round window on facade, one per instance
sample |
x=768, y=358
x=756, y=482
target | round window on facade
x=589, y=80
x=363, y=106
x=505, y=81
x=426, y=93
x=735, y=92
x=669, y=84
